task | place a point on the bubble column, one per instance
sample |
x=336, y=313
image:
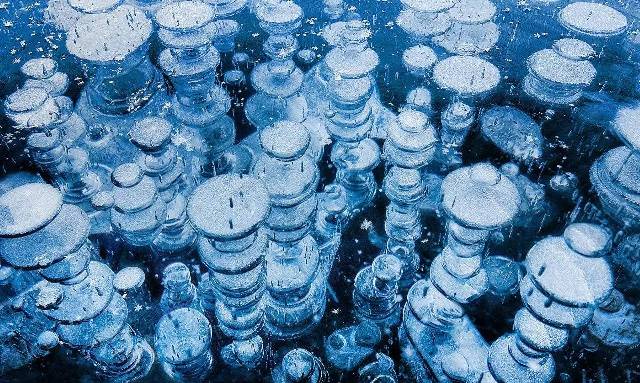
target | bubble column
x=354, y=155
x=179, y=291
x=277, y=82
x=43, y=117
x=567, y=278
x=204, y=132
x=296, y=286
x=375, y=292
x=409, y=147
x=159, y=160
x=435, y=329
x=422, y=20
x=78, y=293
x=183, y=343
x=228, y=211
x=43, y=73
x=123, y=84
x=138, y=212
x=558, y=76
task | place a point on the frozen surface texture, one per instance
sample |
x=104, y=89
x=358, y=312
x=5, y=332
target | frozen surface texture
x=320, y=191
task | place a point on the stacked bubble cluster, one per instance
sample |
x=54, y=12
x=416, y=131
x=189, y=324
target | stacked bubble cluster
x=320, y=191
x=295, y=285
x=559, y=75
x=52, y=127
x=277, y=82
x=350, y=116
x=179, y=292
x=137, y=211
x=375, y=290
x=331, y=218
x=567, y=278
x=78, y=293
x=409, y=148
x=612, y=175
x=159, y=160
x=422, y=20
x=183, y=342
x=228, y=212
x=476, y=199
x=199, y=104
x=126, y=85
x=472, y=30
